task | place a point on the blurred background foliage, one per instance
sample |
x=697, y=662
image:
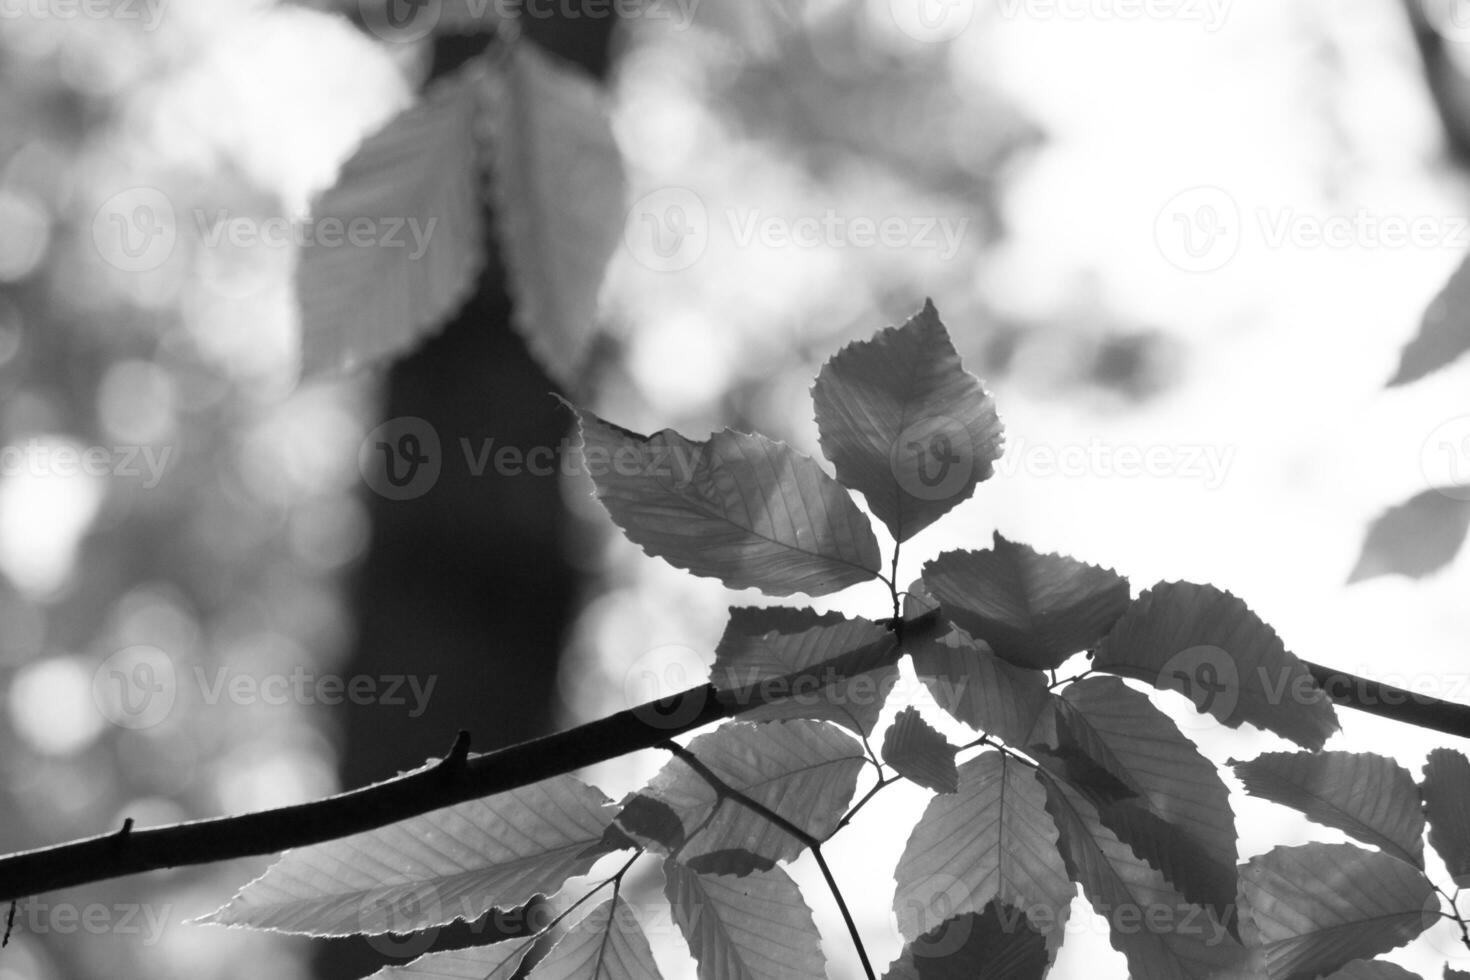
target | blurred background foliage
x=258, y=549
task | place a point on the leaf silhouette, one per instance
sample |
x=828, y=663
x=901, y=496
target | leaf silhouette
x=919, y=753
x=1444, y=331
x=1446, y=791
x=1416, y=538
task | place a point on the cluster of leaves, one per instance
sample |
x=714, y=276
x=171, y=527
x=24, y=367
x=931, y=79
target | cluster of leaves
x=1070, y=782
x=1424, y=533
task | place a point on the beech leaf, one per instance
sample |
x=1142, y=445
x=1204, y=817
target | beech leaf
x=606, y=945
x=1318, y=906
x=1368, y=796
x=1416, y=538
x=919, y=753
x=905, y=424
x=1034, y=609
x=1446, y=791
x=1207, y=645
x=457, y=862
x=999, y=943
x=740, y=508
x=753, y=928
x=1444, y=331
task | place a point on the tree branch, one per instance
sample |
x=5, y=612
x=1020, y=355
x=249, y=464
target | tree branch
x=444, y=783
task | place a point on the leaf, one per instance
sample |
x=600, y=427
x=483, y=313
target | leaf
x=1446, y=791
x=410, y=244
x=1180, y=822
x=1319, y=906
x=1444, y=332
x=1206, y=644
x=905, y=424
x=1416, y=538
x=1034, y=609
x=805, y=771
x=559, y=194
x=997, y=944
x=457, y=862
x=752, y=928
x=1368, y=796
x=920, y=753
x=740, y=508
x=763, y=645
x=1162, y=934
x=978, y=688
x=991, y=841
x=1373, y=970
x=606, y=945
x=1455, y=974
x=498, y=961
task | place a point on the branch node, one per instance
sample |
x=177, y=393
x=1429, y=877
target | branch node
x=127, y=829
x=454, y=761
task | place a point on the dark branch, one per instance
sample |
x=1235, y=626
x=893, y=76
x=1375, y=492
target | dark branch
x=442, y=784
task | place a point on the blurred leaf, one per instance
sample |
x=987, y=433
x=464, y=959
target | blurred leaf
x=1162, y=934
x=805, y=771
x=1319, y=906
x=752, y=928
x=997, y=944
x=740, y=508
x=1446, y=792
x=904, y=423
x=415, y=186
x=1180, y=821
x=991, y=841
x=1206, y=644
x=559, y=189
x=978, y=688
x=1444, y=332
x=761, y=645
x=458, y=862
x=1418, y=537
x=919, y=753
x=1369, y=796
x=606, y=945
x=1034, y=609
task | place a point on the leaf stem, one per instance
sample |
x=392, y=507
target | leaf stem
x=725, y=791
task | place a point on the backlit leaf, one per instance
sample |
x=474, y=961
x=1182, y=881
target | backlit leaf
x=1416, y=538
x=1373, y=970
x=920, y=753
x=1207, y=644
x=904, y=423
x=606, y=945
x=1444, y=332
x=1446, y=791
x=991, y=841
x=740, y=508
x=1319, y=906
x=1034, y=609
x=457, y=862
x=1369, y=796
x=762, y=645
x=997, y=944
x=752, y=928
x=805, y=771
x=498, y=961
